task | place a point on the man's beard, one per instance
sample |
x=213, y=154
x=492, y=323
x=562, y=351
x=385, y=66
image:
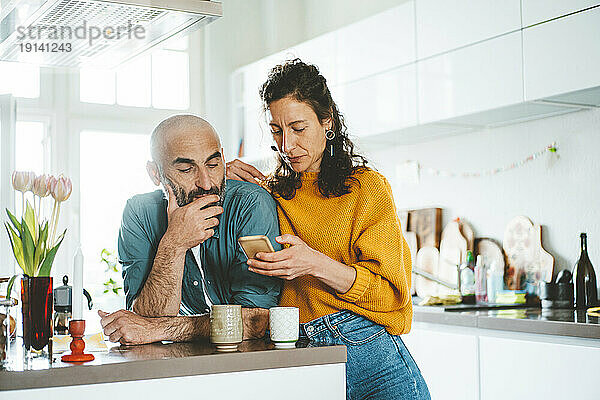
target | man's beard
x=184, y=198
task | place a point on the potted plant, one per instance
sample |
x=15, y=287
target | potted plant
x=35, y=243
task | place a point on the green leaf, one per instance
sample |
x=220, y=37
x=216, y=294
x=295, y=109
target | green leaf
x=28, y=250
x=49, y=259
x=11, y=282
x=40, y=249
x=29, y=218
x=105, y=290
x=17, y=246
x=14, y=220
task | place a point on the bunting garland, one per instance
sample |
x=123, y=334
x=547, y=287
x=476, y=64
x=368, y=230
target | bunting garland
x=550, y=149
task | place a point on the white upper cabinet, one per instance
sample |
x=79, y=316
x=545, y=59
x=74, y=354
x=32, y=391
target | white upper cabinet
x=375, y=44
x=479, y=77
x=380, y=103
x=562, y=56
x=536, y=11
x=320, y=51
x=449, y=24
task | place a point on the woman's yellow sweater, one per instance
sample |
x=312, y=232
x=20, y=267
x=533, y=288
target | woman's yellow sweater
x=360, y=229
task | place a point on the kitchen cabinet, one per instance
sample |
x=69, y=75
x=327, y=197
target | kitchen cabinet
x=475, y=78
x=449, y=24
x=474, y=362
x=376, y=44
x=320, y=51
x=448, y=362
x=537, y=369
x=380, y=103
x=536, y=11
x=563, y=56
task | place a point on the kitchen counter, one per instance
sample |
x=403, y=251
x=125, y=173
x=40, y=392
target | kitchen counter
x=477, y=355
x=574, y=323
x=157, y=361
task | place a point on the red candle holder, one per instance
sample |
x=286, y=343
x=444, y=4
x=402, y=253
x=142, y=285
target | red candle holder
x=76, y=330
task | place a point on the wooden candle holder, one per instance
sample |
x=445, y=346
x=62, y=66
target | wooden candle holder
x=76, y=330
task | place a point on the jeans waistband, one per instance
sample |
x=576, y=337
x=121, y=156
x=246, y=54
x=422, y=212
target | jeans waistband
x=326, y=322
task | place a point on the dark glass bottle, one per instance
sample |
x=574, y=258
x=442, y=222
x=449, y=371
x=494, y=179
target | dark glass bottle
x=584, y=279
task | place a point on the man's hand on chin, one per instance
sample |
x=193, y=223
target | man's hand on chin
x=129, y=328
x=255, y=322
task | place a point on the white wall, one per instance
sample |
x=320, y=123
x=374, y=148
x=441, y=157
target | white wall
x=563, y=198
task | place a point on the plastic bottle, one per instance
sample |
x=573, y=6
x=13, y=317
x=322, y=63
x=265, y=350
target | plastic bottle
x=495, y=281
x=467, y=275
x=480, y=281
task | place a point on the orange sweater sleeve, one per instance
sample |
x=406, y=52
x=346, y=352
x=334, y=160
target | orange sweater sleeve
x=383, y=267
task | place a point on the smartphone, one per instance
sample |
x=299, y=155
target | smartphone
x=255, y=244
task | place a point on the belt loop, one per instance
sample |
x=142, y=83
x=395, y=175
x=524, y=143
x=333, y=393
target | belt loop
x=333, y=329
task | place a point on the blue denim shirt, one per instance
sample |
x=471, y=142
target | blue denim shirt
x=248, y=210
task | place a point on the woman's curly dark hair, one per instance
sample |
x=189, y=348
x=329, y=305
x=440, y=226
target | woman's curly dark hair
x=304, y=83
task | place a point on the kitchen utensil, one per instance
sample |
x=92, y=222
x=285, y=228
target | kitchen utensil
x=556, y=295
x=427, y=260
x=468, y=234
x=518, y=247
x=491, y=252
x=427, y=224
x=542, y=265
x=564, y=276
x=453, y=249
x=63, y=306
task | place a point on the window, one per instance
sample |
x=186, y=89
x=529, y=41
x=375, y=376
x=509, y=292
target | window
x=30, y=153
x=23, y=79
x=159, y=80
x=110, y=173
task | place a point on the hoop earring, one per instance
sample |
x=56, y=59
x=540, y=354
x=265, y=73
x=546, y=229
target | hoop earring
x=330, y=135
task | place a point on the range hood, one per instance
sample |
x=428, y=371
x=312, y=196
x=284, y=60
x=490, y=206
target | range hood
x=94, y=33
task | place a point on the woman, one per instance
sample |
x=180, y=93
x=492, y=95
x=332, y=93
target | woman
x=346, y=265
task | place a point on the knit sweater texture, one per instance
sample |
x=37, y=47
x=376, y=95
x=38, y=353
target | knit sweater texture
x=360, y=229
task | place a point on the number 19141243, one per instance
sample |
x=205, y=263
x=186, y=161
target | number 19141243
x=45, y=47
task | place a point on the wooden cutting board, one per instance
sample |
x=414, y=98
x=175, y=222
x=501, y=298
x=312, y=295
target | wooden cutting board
x=427, y=224
x=427, y=260
x=453, y=249
x=469, y=235
x=542, y=267
x=491, y=252
x=518, y=246
x=411, y=240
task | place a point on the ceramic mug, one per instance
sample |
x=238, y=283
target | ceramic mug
x=226, y=327
x=284, y=325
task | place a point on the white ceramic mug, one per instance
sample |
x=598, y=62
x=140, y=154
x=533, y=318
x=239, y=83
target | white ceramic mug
x=284, y=325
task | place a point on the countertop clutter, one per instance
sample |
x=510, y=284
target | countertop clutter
x=168, y=360
x=516, y=271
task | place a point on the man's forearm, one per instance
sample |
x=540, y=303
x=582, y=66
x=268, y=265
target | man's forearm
x=184, y=329
x=161, y=293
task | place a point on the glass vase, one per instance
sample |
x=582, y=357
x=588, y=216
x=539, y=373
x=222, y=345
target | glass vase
x=37, y=305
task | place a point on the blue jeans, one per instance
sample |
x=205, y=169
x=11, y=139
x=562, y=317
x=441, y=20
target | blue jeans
x=379, y=366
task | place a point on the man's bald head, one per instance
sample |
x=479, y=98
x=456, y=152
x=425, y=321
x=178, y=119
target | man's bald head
x=180, y=127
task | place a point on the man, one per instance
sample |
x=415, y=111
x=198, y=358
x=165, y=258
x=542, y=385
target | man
x=180, y=255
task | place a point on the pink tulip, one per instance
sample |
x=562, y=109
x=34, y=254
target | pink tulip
x=60, y=188
x=41, y=185
x=22, y=181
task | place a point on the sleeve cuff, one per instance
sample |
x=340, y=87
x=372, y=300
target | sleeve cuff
x=360, y=285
